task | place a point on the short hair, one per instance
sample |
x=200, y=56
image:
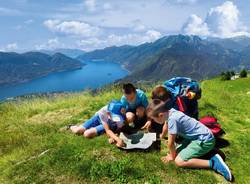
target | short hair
x=128, y=88
x=157, y=106
x=161, y=92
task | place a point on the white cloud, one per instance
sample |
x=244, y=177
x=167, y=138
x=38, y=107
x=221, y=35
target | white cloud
x=221, y=21
x=118, y=40
x=152, y=35
x=90, y=37
x=9, y=47
x=196, y=26
x=91, y=44
x=50, y=45
x=138, y=26
x=74, y=28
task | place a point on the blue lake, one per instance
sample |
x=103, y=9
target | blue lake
x=92, y=75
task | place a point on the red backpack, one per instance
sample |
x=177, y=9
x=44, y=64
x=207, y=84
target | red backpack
x=213, y=125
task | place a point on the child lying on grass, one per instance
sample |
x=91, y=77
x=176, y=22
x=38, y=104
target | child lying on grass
x=109, y=119
x=198, y=139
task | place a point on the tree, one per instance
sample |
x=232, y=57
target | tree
x=243, y=73
x=226, y=76
x=222, y=74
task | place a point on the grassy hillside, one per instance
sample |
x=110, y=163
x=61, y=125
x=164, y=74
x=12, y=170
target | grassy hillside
x=32, y=150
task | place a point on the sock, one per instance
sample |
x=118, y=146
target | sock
x=211, y=164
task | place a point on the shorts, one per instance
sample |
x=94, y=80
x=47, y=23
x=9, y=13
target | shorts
x=94, y=122
x=194, y=149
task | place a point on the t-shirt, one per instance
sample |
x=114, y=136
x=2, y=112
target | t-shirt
x=187, y=127
x=140, y=100
x=103, y=116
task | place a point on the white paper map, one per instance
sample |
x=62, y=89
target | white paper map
x=139, y=140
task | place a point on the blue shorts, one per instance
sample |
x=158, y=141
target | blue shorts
x=94, y=122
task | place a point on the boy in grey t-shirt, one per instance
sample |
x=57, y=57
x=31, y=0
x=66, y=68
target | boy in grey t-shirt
x=198, y=139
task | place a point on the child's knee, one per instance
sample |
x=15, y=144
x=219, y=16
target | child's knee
x=90, y=133
x=140, y=112
x=179, y=162
x=130, y=117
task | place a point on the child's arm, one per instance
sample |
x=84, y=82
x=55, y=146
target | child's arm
x=124, y=102
x=144, y=101
x=171, y=147
x=147, y=125
x=164, y=130
x=111, y=134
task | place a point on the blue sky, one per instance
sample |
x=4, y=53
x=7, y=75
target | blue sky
x=93, y=24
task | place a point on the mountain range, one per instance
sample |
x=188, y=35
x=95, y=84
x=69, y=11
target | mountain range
x=169, y=56
x=177, y=55
x=17, y=68
x=73, y=53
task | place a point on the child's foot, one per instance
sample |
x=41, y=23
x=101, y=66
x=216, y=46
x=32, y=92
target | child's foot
x=76, y=129
x=221, y=167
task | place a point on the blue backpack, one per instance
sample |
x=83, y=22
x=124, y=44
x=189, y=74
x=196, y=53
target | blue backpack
x=180, y=87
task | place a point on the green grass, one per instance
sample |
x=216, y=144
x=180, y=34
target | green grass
x=30, y=126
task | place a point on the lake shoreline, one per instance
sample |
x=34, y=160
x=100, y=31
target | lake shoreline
x=38, y=77
x=92, y=76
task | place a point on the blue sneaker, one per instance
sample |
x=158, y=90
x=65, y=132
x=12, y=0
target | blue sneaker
x=221, y=167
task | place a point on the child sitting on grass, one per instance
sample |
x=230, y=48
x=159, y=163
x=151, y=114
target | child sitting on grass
x=109, y=119
x=136, y=103
x=198, y=139
x=159, y=92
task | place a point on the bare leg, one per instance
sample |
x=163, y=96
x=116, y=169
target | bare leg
x=164, y=131
x=90, y=133
x=140, y=112
x=77, y=129
x=192, y=163
x=130, y=117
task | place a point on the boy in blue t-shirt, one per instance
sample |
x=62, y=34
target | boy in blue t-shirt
x=136, y=103
x=198, y=139
x=109, y=119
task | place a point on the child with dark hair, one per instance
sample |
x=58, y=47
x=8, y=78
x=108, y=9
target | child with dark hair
x=136, y=103
x=198, y=139
x=159, y=92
